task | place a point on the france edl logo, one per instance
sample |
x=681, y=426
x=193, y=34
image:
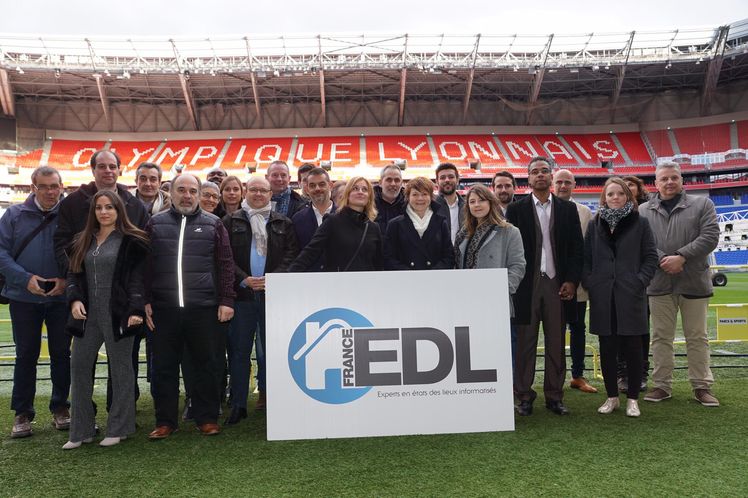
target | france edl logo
x=321, y=330
x=330, y=356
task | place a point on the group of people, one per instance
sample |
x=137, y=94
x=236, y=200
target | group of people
x=183, y=264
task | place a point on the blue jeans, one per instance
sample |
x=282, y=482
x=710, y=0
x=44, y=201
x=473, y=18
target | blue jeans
x=577, y=341
x=27, y=319
x=247, y=327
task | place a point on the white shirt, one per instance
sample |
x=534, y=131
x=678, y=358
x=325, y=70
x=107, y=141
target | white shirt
x=544, y=211
x=454, y=218
x=319, y=215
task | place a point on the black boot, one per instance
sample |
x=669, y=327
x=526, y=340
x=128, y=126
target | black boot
x=236, y=416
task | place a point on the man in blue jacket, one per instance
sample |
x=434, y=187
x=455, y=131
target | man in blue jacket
x=306, y=221
x=35, y=288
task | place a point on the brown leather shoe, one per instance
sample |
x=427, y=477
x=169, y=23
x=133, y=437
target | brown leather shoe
x=61, y=419
x=162, y=432
x=209, y=429
x=582, y=384
x=261, y=401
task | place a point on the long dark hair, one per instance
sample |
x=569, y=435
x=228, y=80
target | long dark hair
x=82, y=241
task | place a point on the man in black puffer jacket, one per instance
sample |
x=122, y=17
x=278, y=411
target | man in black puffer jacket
x=189, y=288
x=262, y=241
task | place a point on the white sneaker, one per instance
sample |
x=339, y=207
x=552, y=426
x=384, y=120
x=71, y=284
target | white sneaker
x=71, y=445
x=632, y=408
x=609, y=405
x=111, y=441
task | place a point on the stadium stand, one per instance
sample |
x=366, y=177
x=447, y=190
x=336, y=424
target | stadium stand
x=660, y=141
x=742, y=132
x=731, y=258
x=589, y=155
x=70, y=154
x=703, y=139
x=635, y=148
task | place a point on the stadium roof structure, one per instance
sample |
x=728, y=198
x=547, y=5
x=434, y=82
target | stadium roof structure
x=520, y=71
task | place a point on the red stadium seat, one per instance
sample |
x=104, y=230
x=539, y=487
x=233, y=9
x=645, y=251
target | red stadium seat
x=660, y=141
x=703, y=139
x=636, y=150
x=72, y=154
x=742, y=134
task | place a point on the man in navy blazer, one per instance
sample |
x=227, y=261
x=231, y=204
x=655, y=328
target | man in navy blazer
x=554, y=252
x=307, y=220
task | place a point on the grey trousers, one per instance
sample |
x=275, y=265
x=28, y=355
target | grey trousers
x=85, y=350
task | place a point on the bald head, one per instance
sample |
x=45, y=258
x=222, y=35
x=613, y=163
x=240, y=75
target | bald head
x=258, y=192
x=185, y=193
x=563, y=184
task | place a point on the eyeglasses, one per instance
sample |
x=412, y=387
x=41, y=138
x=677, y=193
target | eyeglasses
x=47, y=188
x=258, y=190
x=362, y=188
x=210, y=195
x=543, y=171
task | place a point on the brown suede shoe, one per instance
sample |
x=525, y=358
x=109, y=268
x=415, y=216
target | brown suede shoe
x=705, y=397
x=582, y=384
x=209, y=429
x=61, y=419
x=161, y=432
x=655, y=395
x=21, y=427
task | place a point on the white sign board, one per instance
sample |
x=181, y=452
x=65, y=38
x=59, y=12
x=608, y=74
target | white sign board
x=388, y=353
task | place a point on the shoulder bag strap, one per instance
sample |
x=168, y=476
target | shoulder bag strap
x=47, y=220
x=358, y=249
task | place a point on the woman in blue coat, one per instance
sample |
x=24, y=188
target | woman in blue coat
x=420, y=238
x=620, y=258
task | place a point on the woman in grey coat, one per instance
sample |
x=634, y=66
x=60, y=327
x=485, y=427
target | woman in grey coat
x=487, y=240
x=105, y=293
x=620, y=259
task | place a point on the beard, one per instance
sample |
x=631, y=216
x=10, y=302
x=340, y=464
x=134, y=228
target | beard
x=186, y=210
x=447, y=189
x=505, y=197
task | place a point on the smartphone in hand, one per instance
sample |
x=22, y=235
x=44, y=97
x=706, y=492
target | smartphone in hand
x=46, y=286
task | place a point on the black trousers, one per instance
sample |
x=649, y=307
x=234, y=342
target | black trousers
x=630, y=348
x=194, y=330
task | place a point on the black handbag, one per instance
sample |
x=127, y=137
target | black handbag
x=75, y=327
x=46, y=221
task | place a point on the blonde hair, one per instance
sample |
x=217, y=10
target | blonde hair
x=494, y=212
x=369, y=210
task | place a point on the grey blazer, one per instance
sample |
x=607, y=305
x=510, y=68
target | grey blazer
x=502, y=249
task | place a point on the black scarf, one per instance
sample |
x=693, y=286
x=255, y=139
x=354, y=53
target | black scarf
x=474, y=244
x=613, y=216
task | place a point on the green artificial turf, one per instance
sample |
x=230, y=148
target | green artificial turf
x=677, y=447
